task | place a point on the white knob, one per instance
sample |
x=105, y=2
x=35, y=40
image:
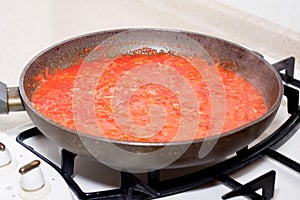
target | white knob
x=33, y=184
x=7, y=163
x=5, y=157
x=32, y=178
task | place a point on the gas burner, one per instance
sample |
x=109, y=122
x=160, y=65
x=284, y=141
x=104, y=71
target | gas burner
x=133, y=187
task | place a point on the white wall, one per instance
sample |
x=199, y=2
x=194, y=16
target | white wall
x=283, y=12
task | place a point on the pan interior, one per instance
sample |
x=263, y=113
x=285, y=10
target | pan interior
x=233, y=57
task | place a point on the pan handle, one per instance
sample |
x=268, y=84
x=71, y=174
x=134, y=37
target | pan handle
x=10, y=99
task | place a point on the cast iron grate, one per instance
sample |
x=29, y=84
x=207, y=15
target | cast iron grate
x=134, y=188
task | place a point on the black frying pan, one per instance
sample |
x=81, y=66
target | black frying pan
x=250, y=65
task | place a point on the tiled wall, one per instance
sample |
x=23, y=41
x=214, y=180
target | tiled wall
x=283, y=12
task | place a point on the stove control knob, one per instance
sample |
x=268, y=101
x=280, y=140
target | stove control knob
x=5, y=157
x=7, y=164
x=32, y=178
x=33, y=184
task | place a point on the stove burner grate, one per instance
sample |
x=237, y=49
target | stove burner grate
x=133, y=188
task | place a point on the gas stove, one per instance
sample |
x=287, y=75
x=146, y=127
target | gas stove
x=33, y=167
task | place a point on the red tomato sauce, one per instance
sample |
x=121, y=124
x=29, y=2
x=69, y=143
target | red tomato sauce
x=54, y=94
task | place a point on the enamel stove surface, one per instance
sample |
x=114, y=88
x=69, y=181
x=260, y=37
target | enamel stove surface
x=25, y=176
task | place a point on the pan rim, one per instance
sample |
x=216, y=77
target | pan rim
x=269, y=112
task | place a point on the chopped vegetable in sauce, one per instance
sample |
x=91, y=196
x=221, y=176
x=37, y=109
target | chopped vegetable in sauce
x=54, y=98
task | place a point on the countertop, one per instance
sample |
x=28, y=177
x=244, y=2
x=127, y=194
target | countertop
x=28, y=27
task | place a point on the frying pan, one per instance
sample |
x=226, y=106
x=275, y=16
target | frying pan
x=249, y=64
